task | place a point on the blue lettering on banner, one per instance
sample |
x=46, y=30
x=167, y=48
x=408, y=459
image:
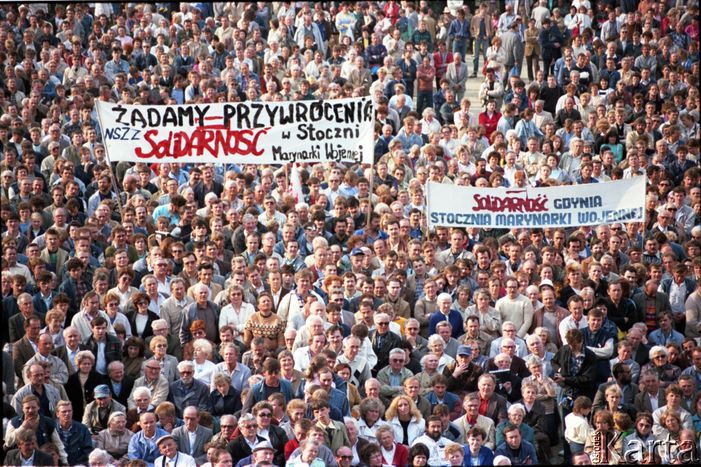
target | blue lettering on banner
x=578, y=203
x=601, y=217
x=122, y=134
x=524, y=220
x=451, y=218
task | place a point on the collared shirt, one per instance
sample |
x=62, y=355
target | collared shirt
x=239, y=376
x=101, y=359
x=677, y=296
x=192, y=436
x=29, y=461
x=395, y=379
x=71, y=357
x=116, y=387
x=484, y=404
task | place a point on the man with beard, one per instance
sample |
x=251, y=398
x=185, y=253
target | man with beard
x=622, y=377
x=434, y=440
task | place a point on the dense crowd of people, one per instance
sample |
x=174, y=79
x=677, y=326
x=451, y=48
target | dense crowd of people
x=208, y=314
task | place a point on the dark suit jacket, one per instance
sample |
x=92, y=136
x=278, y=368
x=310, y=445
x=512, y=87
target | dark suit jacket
x=389, y=341
x=113, y=347
x=9, y=309
x=238, y=448
x=518, y=366
x=202, y=435
x=642, y=401
x=127, y=386
x=22, y=351
x=278, y=438
x=661, y=302
x=583, y=382
x=496, y=409
x=642, y=355
x=283, y=292
x=40, y=458
x=76, y=392
x=62, y=353
x=536, y=417
x=148, y=332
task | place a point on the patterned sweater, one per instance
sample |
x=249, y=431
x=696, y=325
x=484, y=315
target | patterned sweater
x=272, y=329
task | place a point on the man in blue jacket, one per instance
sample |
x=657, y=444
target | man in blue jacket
x=475, y=452
x=74, y=435
x=143, y=444
x=270, y=384
x=551, y=44
x=517, y=450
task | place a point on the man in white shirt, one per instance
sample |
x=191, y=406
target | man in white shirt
x=576, y=319
x=170, y=456
x=434, y=441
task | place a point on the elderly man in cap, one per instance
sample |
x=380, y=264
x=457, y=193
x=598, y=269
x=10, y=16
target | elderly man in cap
x=263, y=452
x=97, y=413
x=170, y=456
x=463, y=373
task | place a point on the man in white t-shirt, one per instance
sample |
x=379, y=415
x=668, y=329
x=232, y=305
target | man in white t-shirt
x=433, y=440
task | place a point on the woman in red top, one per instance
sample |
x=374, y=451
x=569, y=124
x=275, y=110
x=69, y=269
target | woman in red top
x=490, y=118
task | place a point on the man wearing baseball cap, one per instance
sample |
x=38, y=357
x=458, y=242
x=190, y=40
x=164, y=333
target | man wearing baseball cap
x=97, y=413
x=170, y=456
x=463, y=374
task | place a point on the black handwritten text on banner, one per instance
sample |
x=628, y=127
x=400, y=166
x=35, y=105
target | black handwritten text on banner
x=242, y=133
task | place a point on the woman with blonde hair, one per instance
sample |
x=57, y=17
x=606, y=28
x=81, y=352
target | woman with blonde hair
x=405, y=419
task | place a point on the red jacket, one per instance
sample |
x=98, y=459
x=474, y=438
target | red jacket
x=440, y=65
x=490, y=124
x=401, y=456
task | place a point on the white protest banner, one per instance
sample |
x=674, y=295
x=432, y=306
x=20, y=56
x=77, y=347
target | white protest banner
x=339, y=130
x=560, y=206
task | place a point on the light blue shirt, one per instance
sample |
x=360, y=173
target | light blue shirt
x=145, y=449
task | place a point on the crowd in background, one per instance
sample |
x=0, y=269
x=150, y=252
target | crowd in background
x=209, y=314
